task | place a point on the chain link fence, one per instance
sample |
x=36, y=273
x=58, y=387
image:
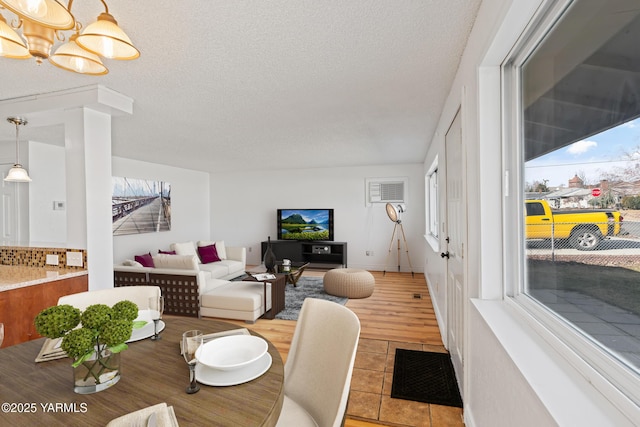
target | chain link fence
x=586, y=244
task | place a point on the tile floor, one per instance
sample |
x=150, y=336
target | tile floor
x=370, y=398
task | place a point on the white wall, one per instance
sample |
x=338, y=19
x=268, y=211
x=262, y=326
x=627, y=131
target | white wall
x=190, y=214
x=244, y=204
x=47, y=227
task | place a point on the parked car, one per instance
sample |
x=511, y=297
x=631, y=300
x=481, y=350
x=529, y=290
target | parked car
x=583, y=229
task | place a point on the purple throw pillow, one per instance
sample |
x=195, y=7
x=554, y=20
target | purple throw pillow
x=208, y=254
x=160, y=251
x=146, y=260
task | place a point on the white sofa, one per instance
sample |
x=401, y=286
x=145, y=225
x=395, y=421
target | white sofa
x=193, y=288
x=232, y=266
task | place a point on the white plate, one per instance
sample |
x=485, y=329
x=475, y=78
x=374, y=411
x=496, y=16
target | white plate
x=216, y=377
x=231, y=352
x=146, y=331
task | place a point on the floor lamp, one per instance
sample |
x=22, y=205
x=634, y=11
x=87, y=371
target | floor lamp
x=394, y=211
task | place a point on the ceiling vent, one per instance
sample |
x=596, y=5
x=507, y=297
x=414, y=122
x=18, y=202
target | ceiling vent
x=386, y=190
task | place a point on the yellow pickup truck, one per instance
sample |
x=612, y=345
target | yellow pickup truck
x=583, y=229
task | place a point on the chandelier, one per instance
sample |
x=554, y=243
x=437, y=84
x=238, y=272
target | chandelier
x=43, y=20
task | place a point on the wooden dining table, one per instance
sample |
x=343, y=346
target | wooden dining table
x=152, y=372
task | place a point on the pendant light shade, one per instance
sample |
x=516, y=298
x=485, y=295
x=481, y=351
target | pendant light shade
x=72, y=57
x=105, y=38
x=11, y=45
x=17, y=173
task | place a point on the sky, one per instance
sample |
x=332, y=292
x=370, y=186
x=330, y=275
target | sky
x=589, y=158
x=136, y=187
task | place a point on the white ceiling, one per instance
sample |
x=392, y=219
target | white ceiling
x=228, y=84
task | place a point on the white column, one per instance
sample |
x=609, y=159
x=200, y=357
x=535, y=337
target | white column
x=88, y=156
x=75, y=178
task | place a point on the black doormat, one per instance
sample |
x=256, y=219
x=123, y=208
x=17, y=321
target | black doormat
x=424, y=376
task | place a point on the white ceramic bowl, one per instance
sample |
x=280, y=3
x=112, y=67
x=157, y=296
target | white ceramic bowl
x=232, y=352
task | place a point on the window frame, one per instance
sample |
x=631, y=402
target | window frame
x=432, y=206
x=607, y=373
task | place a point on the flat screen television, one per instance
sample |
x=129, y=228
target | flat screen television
x=305, y=224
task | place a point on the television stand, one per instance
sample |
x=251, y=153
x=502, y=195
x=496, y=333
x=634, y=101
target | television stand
x=317, y=253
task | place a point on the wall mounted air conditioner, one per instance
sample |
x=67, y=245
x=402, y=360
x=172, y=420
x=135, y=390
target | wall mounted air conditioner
x=386, y=190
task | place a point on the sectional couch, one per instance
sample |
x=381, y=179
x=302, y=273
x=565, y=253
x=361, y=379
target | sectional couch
x=195, y=279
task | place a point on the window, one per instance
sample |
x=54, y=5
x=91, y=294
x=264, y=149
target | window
x=576, y=91
x=431, y=199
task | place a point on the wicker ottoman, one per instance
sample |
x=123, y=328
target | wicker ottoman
x=349, y=282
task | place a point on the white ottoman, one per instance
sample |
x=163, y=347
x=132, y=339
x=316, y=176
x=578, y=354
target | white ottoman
x=349, y=282
x=236, y=300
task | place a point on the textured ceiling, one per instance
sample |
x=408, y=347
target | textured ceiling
x=227, y=84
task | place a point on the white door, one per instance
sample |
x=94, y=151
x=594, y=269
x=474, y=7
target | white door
x=456, y=223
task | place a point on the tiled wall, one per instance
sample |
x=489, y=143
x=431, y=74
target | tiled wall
x=36, y=257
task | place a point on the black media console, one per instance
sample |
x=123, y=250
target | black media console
x=323, y=253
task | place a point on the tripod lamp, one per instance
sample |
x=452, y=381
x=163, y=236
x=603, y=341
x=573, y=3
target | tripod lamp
x=393, y=212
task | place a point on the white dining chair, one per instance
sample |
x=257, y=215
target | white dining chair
x=139, y=295
x=317, y=373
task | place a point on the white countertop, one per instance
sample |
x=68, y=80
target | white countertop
x=18, y=276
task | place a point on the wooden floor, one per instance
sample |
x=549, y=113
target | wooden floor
x=399, y=314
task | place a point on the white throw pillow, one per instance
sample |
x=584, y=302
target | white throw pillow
x=186, y=248
x=222, y=252
x=179, y=262
x=131, y=263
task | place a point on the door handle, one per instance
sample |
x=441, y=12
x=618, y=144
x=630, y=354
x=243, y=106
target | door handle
x=445, y=255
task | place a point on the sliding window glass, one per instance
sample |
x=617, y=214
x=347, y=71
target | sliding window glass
x=579, y=126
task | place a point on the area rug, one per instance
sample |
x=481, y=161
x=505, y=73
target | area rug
x=307, y=287
x=424, y=376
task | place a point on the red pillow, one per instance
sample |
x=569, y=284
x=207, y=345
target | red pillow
x=208, y=254
x=146, y=260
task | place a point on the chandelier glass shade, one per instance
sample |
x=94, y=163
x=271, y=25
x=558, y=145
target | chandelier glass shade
x=17, y=173
x=105, y=38
x=42, y=21
x=72, y=57
x=47, y=13
x=11, y=45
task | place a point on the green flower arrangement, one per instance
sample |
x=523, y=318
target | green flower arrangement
x=102, y=328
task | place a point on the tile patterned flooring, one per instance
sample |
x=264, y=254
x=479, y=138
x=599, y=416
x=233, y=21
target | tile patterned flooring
x=370, y=396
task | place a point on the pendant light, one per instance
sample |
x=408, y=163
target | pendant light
x=17, y=173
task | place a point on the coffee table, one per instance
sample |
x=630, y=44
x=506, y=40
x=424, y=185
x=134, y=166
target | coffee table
x=292, y=272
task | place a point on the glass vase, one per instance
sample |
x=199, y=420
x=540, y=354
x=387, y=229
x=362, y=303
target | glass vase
x=98, y=373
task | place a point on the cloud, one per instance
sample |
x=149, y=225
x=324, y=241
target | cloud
x=581, y=147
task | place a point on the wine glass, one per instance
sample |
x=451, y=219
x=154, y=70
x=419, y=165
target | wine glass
x=1, y=333
x=156, y=307
x=191, y=340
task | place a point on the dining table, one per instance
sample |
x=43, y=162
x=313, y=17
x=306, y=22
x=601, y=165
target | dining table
x=152, y=372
